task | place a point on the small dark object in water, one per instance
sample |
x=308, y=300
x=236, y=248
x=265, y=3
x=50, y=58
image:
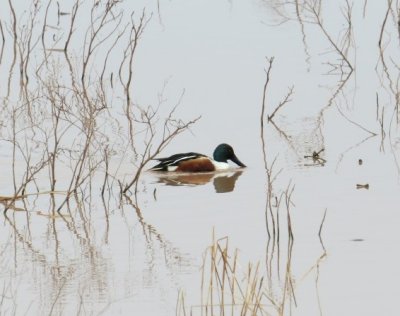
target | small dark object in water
x=362, y=186
x=316, y=157
x=357, y=239
x=360, y=162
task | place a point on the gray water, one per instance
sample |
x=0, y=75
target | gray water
x=140, y=254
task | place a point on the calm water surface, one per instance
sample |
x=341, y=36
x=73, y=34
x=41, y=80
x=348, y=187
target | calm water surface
x=137, y=255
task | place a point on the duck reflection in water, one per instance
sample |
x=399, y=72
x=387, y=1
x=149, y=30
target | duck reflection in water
x=223, y=181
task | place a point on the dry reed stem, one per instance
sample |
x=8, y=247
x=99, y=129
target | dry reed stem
x=3, y=44
x=220, y=281
x=393, y=82
x=282, y=103
x=263, y=104
x=353, y=122
x=315, y=10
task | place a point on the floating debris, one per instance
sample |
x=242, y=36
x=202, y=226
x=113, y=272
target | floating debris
x=316, y=157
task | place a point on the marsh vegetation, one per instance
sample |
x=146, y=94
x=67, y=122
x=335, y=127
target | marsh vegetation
x=306, y=91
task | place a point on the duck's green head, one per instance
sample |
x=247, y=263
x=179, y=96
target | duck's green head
x=224, y=152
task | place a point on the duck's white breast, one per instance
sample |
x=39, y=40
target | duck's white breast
x=220, y=165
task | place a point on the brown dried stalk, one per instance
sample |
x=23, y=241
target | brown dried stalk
x=136, y=32
x=3, y=44
x=282, y=103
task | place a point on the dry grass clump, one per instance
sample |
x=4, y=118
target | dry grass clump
x=227, y=288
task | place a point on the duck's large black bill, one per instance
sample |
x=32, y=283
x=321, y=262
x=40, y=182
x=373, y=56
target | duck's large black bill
x=237, y=161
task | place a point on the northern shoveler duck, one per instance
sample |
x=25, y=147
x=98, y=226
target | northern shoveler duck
x=194, y=162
